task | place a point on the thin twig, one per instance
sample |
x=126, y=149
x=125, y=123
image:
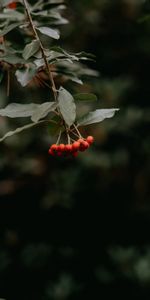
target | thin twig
x=79, y=134
x=58, y=140
x=50, y=75
x=42, y=82
x=8, y=83
x=68, y=137
x=71, y=130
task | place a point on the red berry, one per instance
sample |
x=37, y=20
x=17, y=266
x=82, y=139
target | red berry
x=68, y=148
x=83, y=146
x=80, y=141
x=54, y=147
x=61, y=147
x=12, y=5
x=50, y=151
x=90, y=139
x=75, y=146
x=86, y=144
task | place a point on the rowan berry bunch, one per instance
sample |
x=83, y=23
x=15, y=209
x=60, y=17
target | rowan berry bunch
x=71, y=149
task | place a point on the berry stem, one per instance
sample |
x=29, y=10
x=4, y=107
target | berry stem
x=78, y=132
x=59, y=137
x=68, y=137
x=76, y=135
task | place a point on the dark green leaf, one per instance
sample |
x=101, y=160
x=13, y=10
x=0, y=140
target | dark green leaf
x=13, y=59
x=67, y=106
x=8, y=28
x=30, y=49
x=85, y=97
x=50, y=32
x=97, y=116
x=55, y=125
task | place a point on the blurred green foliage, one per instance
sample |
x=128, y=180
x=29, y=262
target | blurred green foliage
x=79, y=228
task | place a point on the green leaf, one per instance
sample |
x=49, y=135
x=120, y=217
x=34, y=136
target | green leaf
x=12, y=15
x=55, y=55
x=60, y=50
x=85, y=97
x=42, y=13
x=18, y=130
x=49, y=31
x=60, y=21
x=55, y=1
x=6, y=2
x=42, y=110
x=75, y=79
x=8, y=28
x=25, y=75
x=33, y=110
x=40, y=62
x=67, y=106
x=31, y=49
x=13, y=59
x=97, y=116
x=86, y=56
x=17, y=110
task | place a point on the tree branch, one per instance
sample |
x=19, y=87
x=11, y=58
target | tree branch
x=50, y=75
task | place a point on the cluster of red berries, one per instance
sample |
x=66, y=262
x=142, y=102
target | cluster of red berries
x=71, y=149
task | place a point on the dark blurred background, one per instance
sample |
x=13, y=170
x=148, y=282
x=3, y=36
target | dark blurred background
x=80, y=228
